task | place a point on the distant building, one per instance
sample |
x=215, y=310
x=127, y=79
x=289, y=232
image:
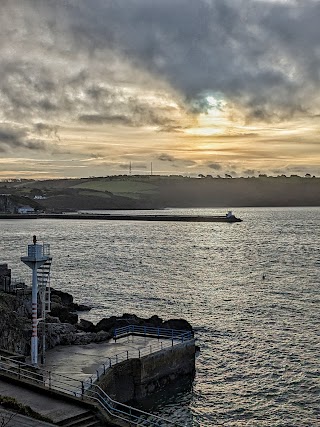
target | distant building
x=25, y=210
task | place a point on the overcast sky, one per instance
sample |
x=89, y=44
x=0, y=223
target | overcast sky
x=193, y=86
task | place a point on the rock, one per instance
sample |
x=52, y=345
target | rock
x=103, y=336
x=155, y=321
x=66, y=298
x=63, y=314
x=180, y=324
x=14, y=324
x=106, y=324
x=79, y=307
x=62, y=327
x=82, y=338
x=59, y=334
x=51, y=319
x=86, y=326
x=56, y=299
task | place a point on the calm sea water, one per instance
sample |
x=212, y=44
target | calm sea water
x=259, y=338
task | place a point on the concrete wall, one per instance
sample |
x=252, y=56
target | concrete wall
x=135, y=379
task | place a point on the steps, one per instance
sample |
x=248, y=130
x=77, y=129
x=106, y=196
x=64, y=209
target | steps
x=86, y=419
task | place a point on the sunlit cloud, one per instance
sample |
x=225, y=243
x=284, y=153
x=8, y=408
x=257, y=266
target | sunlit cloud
x=88, y=86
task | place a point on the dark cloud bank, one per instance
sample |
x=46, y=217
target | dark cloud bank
x=71, y=60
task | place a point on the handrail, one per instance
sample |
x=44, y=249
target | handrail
x=181, y=335
x=88, y=388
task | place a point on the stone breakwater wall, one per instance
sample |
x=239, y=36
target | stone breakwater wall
x=135, y=379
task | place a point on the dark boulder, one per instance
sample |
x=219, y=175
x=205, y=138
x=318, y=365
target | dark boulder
x=106, y=324
x=79, y=307
x=155, y=321
x=66, y=299
x=63, y=313
x=180, y=324
x=86, y=326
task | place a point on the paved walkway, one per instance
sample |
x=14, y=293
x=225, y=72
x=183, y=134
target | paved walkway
x=75, y=361
x=55, y=409
x=11, y=419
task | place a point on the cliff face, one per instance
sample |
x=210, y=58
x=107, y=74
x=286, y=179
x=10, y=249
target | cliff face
x=15, y=325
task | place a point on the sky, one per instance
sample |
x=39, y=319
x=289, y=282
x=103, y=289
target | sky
x=89, y=87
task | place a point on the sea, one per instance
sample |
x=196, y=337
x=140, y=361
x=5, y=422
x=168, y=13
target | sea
x=251, y=291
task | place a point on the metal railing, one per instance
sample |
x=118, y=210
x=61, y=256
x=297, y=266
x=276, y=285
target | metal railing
x=151, y=331
x=87, y=389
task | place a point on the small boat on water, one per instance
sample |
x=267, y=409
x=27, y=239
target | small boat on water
x=232, y=218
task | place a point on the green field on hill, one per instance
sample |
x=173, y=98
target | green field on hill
x=125, y=188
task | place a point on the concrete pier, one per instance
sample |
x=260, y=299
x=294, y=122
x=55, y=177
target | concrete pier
x=125, y=217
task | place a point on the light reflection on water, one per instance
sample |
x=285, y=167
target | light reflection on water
x=259, y=339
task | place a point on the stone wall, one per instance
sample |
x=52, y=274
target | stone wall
x=135, y=379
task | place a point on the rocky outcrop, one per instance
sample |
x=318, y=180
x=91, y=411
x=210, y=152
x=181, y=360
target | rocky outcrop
x=110, y=323
x=62, y=326
x=63, y=307
x=15, y=325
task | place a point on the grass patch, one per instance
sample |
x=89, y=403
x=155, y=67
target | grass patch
x=99, y=194
x=120, y=188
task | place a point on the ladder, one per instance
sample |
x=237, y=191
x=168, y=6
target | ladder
x=43, y=277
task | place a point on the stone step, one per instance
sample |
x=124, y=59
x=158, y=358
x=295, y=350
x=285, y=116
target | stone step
x=86, y=419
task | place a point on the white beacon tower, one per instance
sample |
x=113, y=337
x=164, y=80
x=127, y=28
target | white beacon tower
x=37, y=256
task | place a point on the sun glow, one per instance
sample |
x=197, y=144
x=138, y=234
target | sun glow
x=214, y=121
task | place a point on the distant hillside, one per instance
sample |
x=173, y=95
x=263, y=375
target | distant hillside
x=139, y=192
x=10, y=203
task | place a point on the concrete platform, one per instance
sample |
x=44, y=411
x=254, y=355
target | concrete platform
x=81, y=361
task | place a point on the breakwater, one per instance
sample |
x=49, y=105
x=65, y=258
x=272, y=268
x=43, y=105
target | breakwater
x=129, y=217
x=137, y=378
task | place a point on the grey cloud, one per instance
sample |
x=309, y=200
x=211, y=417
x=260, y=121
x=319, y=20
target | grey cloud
x=101, y=119
x=215, y=166
x=129, y=112
x=71, y=59
x=46, y=129
x=262, y=55
x=166, y=158
x=10, y=139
